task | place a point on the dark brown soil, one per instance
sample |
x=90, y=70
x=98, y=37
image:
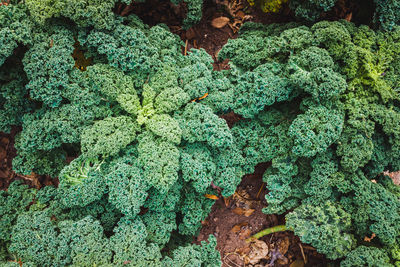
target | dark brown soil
x=7, y=153
x=229, y=223
x=203, y=35
x=7, y=175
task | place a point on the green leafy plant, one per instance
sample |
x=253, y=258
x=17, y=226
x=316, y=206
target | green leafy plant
x=330, y=137
x=136, y=139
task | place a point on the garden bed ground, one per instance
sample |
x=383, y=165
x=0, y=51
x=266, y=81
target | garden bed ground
x=234, y=219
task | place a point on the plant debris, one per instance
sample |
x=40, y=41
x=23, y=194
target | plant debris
x=219, y=22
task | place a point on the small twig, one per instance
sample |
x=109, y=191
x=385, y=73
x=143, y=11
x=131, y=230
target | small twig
x=302, y=253
x=308, y=247
x=234, y=263
x=259, y=191
x=271, y=230
x=186, y=45
x=245, y=198
x=270, y=239
x=177, y=30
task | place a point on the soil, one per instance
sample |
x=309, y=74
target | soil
x=7, y=153
x=7, y=175
x=235, y=219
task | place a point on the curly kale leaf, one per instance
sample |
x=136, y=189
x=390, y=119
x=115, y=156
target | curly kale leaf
x=127, y=188
x=82, y=182
x=159, y=160
x=325, y=226
x=13, y=202
x=107, y=137
x=315, y=130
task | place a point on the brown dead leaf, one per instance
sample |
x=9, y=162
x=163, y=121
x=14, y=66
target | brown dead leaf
x=240, y=14
x=349, y=17
x=243, y=199
x=219, y=22
x=238, y=227
x=374, y=181
x=227, y=200
x=368, y=239
x=297, y=263
x=34, y=178
x=248, y=212
x=240, y=211
x=214, y=197
x=244, y=234
x=244, y=250
x=308, y=247
x=282, y=260
x=283, y=245
x=241, y=195
x=258, y=251
x=395, y=176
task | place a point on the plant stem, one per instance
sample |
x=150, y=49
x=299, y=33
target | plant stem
x=273, y=229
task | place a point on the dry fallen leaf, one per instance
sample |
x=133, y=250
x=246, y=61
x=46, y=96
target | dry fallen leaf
x=238, y=227
x=349, y=16
x=244, y=250
x=248, y=212
x=240, y=14
x=283, y=245
x=227, y=200
x=395, y=176
x=368, y=239
x=34, y=178
x=258, y=251
x=240, y=211
x=244, y=234
x=243, y=199
x=211, y=196
x=219, y=22
x=282, y=260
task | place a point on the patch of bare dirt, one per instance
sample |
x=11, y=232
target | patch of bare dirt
x=7, y=153
x=220, y=22
x=236, y=218
x=7, y=175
